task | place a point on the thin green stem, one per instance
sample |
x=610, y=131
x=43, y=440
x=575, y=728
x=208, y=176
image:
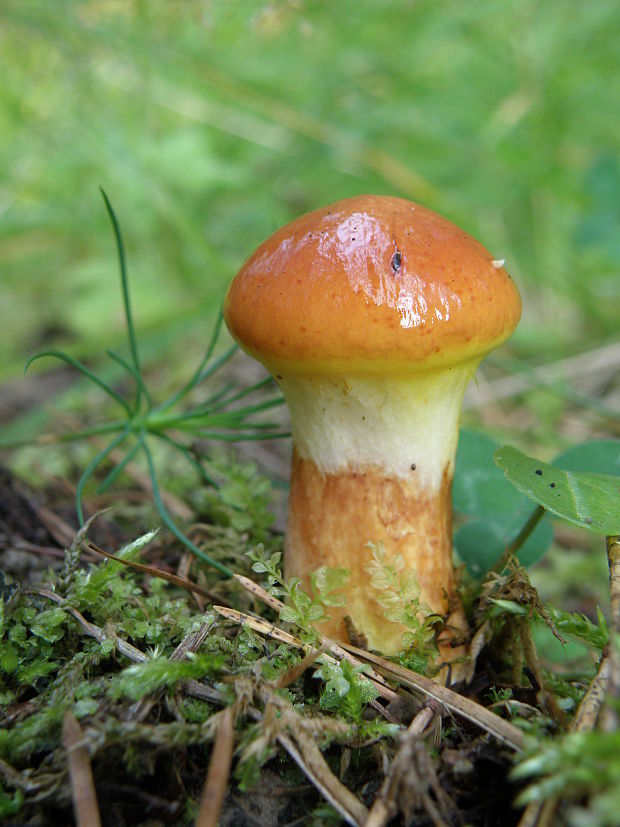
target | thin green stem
x=245, y=392
x=118, y=469
x=213, y=368
x=274, y=402
x=134, y=373
x=195, y=379
x=163, y=512
x=251, y=436
x=92, y=466
x=187, y=453
x=75, y=363
x=53, y=439
x=217, y=397
x=131, y=333
x=514, y=546
x=209, y=418
x=217, y=364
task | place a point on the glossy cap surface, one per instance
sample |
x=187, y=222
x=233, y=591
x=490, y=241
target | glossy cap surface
x=370, y=284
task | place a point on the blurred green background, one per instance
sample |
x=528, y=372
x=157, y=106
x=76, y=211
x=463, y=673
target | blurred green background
x=210, y=124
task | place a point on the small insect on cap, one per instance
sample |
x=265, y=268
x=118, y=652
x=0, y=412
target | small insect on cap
x=370, y=284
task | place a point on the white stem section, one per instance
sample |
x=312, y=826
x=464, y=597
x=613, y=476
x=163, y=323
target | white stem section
x=405, y=426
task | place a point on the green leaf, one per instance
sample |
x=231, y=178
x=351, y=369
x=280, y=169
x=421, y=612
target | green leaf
x=326, y=579
x=496, y=508
x=289, y=615
x=510, y=607
x=130, y=550
x=48, y=624
x=142, y=679
x=480, y=489
x=600, y=455
x=591, y=501
x=9, y=658
x=10, y=803
x=481, y=543
x=315, y=612
x=397, y=615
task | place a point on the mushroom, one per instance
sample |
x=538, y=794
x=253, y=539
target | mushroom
x=373, y=314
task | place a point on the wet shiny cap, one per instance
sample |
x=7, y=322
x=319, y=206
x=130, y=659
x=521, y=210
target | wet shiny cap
x=367, y=285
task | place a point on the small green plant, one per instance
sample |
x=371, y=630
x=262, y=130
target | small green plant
x=345, y=689
x=302, y=608
x=399, y=595
x=219, y=416
x=573, y=766
x=160, y=672
x=500, y=695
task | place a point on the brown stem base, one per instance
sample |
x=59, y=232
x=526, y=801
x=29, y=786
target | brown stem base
x=333, y=517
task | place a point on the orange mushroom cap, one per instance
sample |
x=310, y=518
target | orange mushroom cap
x=367, y=285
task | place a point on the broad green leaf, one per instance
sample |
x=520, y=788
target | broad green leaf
x=480, y=543
x=497, y=509
x=599, y=455
x=589, y=500
x=480, y=489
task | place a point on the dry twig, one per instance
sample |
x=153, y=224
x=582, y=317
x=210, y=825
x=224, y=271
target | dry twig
x=85, y=807
x=219, y=771
x=503, y=730
x=385, y=804
x=263, y=627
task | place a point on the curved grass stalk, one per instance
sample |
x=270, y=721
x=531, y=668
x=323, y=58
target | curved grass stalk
x=169, y=523
x=75, y=363
x=92, y=467
x=257, y=386
x=249, y=436
x=131, y=333
x=554, y=385
x=195, y=379
x=118, y=469
x=134, y=373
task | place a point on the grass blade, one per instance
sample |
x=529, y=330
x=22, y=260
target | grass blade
x=217, y=364
x=250, y=436
x=131, y=333
x=75, y=363
x=118, y=469
x=91, y=468
x=258, y=386
x=196, y=378
x=209, y=417
x=170, y=525
x=134, y=373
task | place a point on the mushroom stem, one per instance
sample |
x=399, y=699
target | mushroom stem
x=373, y=463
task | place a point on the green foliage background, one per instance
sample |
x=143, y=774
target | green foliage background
x=212, y=123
